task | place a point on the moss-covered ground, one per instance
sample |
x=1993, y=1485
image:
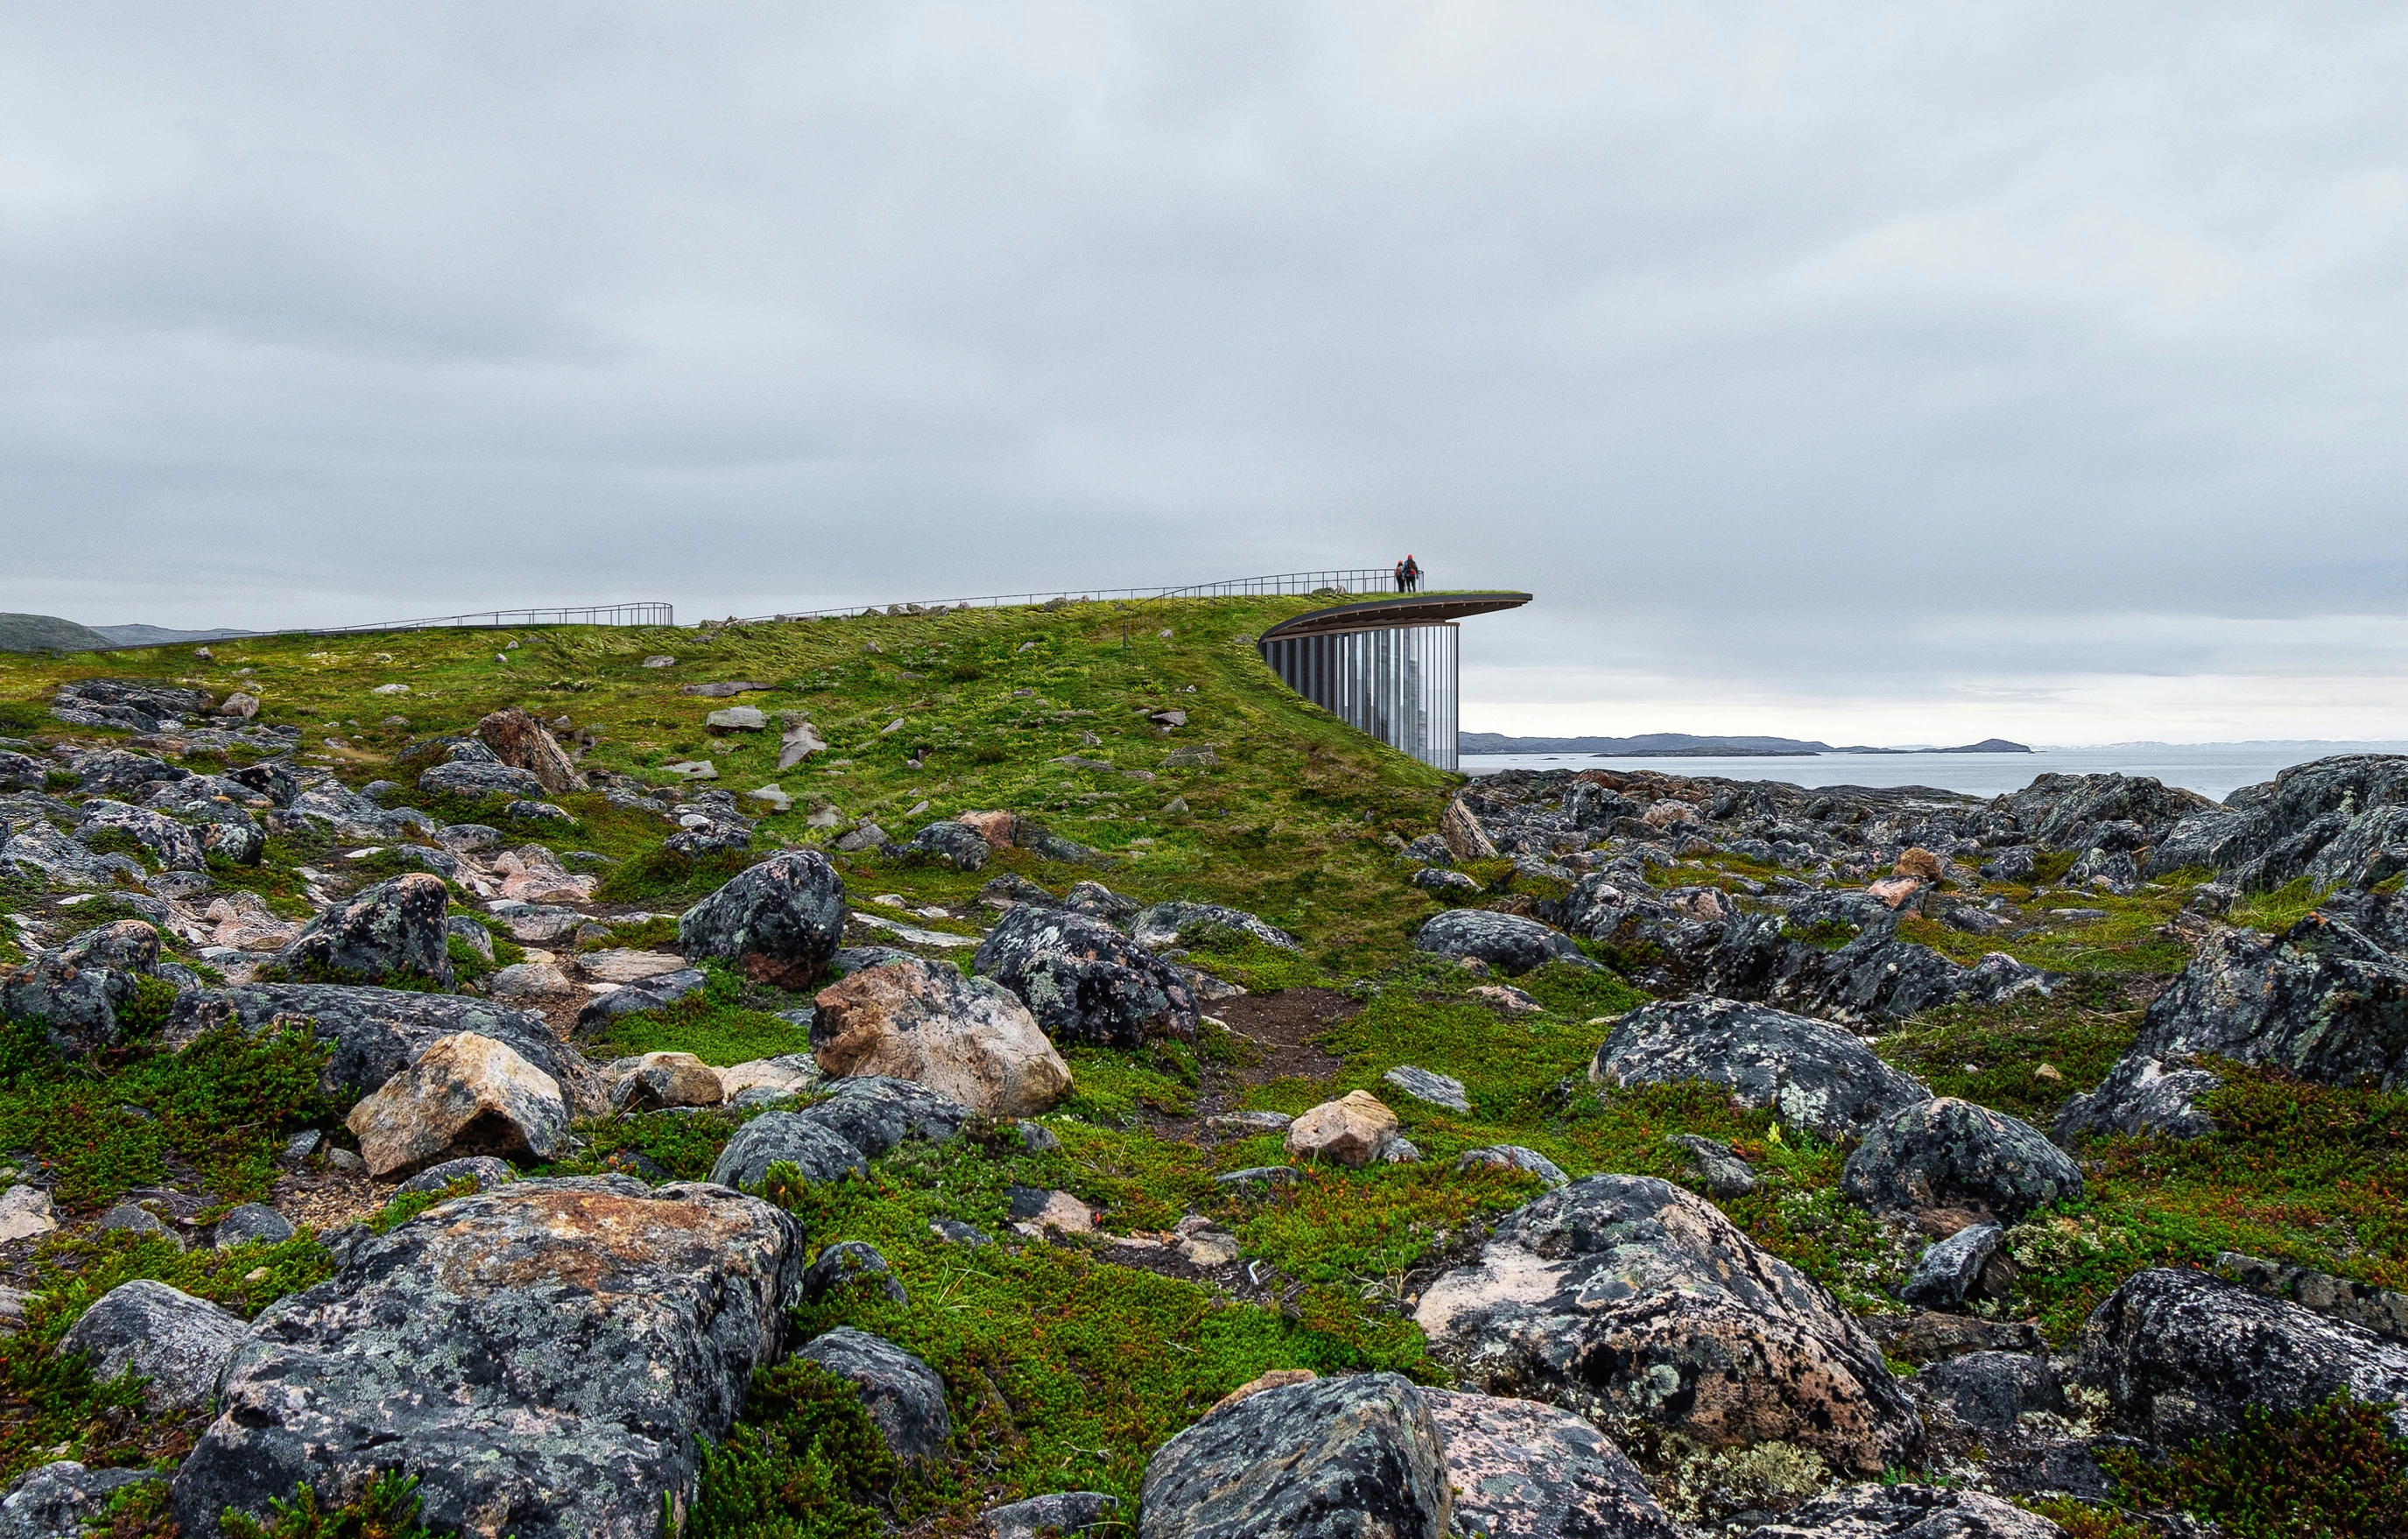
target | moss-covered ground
x=1064, y=1368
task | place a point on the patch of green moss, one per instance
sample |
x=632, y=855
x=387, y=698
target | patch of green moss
x=2337, y=1471
x=2281, y=908
x=728, y=1021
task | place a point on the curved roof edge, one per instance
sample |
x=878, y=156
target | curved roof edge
x=1404, y=610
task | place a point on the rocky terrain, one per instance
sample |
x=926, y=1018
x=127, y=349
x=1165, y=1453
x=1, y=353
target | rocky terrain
x=1024, y=1072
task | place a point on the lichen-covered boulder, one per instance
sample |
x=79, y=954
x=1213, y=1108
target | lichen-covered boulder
x=1990, y=1389
x=1522, y=1470
x=77, y=990
x=394, y=929
x=1813, y=1075
x=874, y=1113
x=775, y=922
x=1874, y=1511
x=1973, y=1264
x=904, y=1397
x=178, y=845
x=63, y=1500
x=486, y=777
x=1330, y=1458
x=1507, y=942
x=786, y=1138
x=1057, y=1511
x=546, y=1359
x=971, y=1040
x=1163, y=925
x=377, y=1033
x=1951, y=1153
x=1627, y=1296
x=180, y=1343
x=1084, y=981
x=2182, y=1354
x=852, y=1263
x=466, y=1094
x=952, y=843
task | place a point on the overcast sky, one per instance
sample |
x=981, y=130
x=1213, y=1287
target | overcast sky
x=1873, y=373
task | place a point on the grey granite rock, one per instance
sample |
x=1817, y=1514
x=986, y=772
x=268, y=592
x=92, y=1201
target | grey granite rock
x=1813, y=1075
x=904, y=1396
x=1436, y=1088
x=1951, y=1153
x=1522, y=1470
x=58, y=1501
x=1990, y=1389
x=1508, y=943
x=785, y=1137
x=1969, y=1265
x=180, y=1343
x=1908, y=1512
x=1332, y=1458
x=1085, y=981
x=394, y=927
x=253, y=1221
x=775, y=922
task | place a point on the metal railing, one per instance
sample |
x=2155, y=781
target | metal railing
x=1349, y=582
x=507, y=619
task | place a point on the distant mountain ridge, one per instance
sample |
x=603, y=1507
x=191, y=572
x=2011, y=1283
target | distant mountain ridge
x=1664, y=744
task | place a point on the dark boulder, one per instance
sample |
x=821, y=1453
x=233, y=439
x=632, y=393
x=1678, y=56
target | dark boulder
x=395, y=929
x=1163, y=925
x=116, y=772
x=1522, y=1470
x=952, y=843
x=1785, y=959
x=251, y=1223
x=1813, y=1076
x=1990, y=1389
x=1330, y=1458
x=1969, y=1265
x=1952, y=1153
x=1908, y=1512
x=2182, y=1354
x=643, y=994
x=1058, y=1512
x=873, y=1113
x=78, y=991
x=1507, y=942
x=2380, y=1310
x=848, y=1264
x=1085, y=981
x=486, y=777
x=1627, y=1296
x=180, y=1343
x=63, y=1500
x=904, y=1396
x=483, y=1169
x=137, y=704
x=546, y=1359
x=2326, y=1000
x=177, y=847
x=777, y=923
x=785, y=1139
x=377, y=1033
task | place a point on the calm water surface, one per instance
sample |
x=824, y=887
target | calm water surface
x=2210, y=769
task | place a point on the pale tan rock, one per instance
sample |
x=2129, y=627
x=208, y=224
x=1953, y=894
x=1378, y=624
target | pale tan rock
x=26, y=1212
x=1505, y=997
x=968, y=1039
x=1667, y=813
x=1894, y=891
x=244, y=921
x=466, y=1094
x=1062, y=1212
x=1276, y=1378
x=794, y=1073
x=1702, y=904
x=1345, y=1132
x=517, y=738
x=1466, y=839
x=657, y=1080
x=1919, y=861
x=1209, y=1248
x=994, y=827
x=526, y=979
x=532, y=873
x=623, y=964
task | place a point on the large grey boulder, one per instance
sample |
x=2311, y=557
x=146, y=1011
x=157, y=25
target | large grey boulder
x=1813, y=1075
x=2327, y=1000
x=180, y=1343
x=1952, y=1153
x=77, y=990
x=1163, y=925
x=785, y=1137
x=1332, y=1458
x=377, y=1033
x=1522, y=1470
x=395, y=929
x=545, y=1358
x=1874, y=1511
x=177, y=845
x=2182, y=1354
x=777, y=923
x=1627, y=1296
x=1084, y=981
x=873, y=1113
x=904, y=1397
x=486, y=777
x=60, y=1500
x=1507, y=942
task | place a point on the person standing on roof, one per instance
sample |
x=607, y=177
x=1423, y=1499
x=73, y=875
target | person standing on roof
x=1413, y=571
x=1400, y=577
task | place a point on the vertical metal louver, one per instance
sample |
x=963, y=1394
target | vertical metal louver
x=1397, y=683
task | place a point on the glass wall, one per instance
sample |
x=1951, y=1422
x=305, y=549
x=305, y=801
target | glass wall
x=1398, y=684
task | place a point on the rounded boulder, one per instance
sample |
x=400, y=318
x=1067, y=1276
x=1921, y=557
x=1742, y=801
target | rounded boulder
x=778, y=922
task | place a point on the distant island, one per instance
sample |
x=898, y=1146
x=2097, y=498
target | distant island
x=1677, y=745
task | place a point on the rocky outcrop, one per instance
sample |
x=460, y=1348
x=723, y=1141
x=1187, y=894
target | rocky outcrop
x=1085, y=981
x=2324, y=1001
x=480, y=777
x=179, y=1342
x=1163, y=925
x=2335, y=821
x=1332, y=1458
x=377, y=1033
x=77, y=990
x=610, y=1328
x=1813, y=1076
x=971, y=1040
x=395, y=929
x=1953, y=1154
x=1625, y=1295
x=1874, y=977
x=176, y=845
x=2182, y=1354
x=903, y=1396
x=1507, y=942
x=1520, y=1470
x=518, y=739
x=1349, y=1131
x=777, y=923
x=134, y=705
x=1875, y=1511
x=466, y=1094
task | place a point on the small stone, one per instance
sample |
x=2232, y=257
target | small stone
x=659, y=662
x=483, y=1169
x=1250, y=1122
x=139, y=1221
x=1970, y=1264
x=849, y=1263
x=346, y=1162
x=178, y=1342
x=253, y=1221
x=1035, y=1210
x=1723, y=1172
x=1423, y=1085
x=1345, y=1132
x=1261, y=1175
x=1061, y=1512
x=657, y=1080
x=1514, y=1157
x=736, y=719
x=955, y=1231
x=26, y=1212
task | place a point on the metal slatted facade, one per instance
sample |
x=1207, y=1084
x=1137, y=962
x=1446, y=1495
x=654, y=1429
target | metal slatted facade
x=1397, y=683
